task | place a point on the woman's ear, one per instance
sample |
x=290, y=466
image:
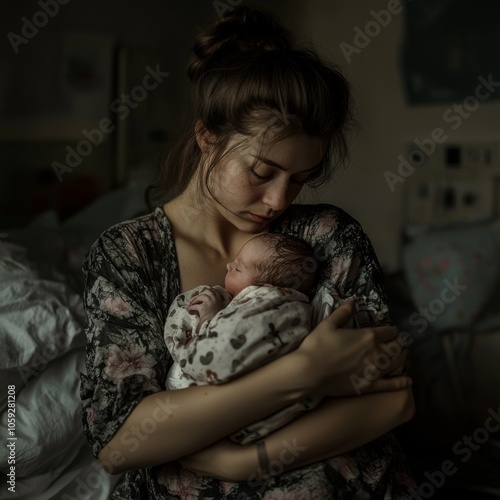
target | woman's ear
x=204, y=138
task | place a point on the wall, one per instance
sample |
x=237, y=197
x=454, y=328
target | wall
x=28, y=84
x=388, y=123
x=30, y=87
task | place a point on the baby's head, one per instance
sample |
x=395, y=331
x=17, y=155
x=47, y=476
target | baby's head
x=273, y=259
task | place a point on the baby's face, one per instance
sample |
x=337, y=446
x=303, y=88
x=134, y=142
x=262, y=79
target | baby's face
x=241, y=272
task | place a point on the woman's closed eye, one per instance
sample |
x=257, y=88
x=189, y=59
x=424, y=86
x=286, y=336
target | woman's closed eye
x=306, y=177
x=262, y=177
x=300, y=180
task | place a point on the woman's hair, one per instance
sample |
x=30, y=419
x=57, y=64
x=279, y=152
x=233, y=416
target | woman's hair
x=248, y=78
x=289, y=264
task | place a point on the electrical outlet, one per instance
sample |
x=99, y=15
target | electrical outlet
x=442, y=200
x=455, y=157
x=420, y=196
x=457, y=183
x=466, y=199
x=481, y=156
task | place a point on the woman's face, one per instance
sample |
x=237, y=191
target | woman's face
x=255, y=184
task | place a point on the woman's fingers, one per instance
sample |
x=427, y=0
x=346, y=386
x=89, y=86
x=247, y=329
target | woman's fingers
x=387, y=384
x=347, y=361
x=385, y=351
x=346, y=311
x=381, y=372
x=342, y=314
x=385, y=358
x=385, y=333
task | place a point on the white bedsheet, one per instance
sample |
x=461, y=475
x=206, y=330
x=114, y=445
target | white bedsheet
x=41, y=331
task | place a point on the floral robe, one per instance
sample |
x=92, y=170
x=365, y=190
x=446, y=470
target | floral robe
x=132, y=276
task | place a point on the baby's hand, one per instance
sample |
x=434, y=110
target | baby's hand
x=207, y=304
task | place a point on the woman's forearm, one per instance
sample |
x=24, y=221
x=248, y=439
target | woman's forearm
x=337, y=426
x=171, y=424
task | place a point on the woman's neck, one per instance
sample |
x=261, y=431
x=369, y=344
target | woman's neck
x=198, y=219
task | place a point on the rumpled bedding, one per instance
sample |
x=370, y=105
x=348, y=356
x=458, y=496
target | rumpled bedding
x=41, y=330
x=43, y=349
x=256, y=326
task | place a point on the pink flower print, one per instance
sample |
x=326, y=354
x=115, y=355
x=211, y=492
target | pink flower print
x=328, y=224
x=279, y=494
x=130, y=248
x=443, y=264
x=340, y=270
x=90, y=416
x=132, y=360
x=426, y=263
x=227, y=487
x=345, y=467
x=180, y=482
x=116, y=305
x=404, y=479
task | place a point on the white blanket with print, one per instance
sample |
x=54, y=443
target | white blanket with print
x=256, y=326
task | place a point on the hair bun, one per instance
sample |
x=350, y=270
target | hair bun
x=243, y=29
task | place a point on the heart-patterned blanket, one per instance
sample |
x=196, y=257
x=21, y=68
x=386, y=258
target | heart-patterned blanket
x=258, y=325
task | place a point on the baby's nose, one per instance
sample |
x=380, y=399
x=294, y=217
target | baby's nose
x=228, y=267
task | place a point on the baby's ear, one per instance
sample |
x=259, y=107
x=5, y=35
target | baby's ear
x=267, y=284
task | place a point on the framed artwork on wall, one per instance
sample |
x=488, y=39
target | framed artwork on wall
x=449, y=48
x=87, y=75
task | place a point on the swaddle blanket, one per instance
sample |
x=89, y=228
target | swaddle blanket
x=256, y=326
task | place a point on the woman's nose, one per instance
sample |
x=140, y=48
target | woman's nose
x=276, y=198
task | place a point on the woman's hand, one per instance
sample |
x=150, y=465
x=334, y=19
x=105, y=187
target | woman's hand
x=223, y=460
x=343, y=362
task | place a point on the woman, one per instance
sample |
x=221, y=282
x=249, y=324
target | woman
x=267, y=119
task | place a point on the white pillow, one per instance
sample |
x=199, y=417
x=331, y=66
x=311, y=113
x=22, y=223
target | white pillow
x=452, y=276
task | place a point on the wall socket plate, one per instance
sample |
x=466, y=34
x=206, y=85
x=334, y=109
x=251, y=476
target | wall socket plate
x=484, y=157
x=432, y=200
x=455, y=184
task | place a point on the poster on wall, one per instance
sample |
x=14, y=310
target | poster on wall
x=87, y=75
x=450, y=47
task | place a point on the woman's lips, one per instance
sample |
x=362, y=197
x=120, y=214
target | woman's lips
x=260, y=219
